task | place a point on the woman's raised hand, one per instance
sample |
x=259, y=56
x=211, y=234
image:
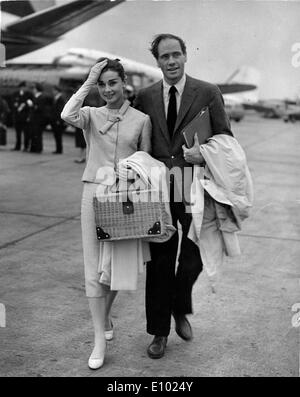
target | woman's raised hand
x=95, y=72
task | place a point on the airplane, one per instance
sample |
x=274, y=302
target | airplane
x=234, y=102
x=82, y=57
x=46, y=25
x=38, y=29
x=285, y=109
x=68, y=74
x=70, y=69
x=268, y=108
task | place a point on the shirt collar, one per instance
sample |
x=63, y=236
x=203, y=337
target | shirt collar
x=179, y=85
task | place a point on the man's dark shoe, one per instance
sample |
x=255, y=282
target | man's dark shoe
x=183, y=327
x=157, y=347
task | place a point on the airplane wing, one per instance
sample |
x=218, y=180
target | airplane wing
x=42, y=28
x=22, y=8
x=231, y=88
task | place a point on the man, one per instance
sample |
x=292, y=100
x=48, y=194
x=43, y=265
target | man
x=171, y=104
x=21, y=112
x=40, y=117
x=57, y=123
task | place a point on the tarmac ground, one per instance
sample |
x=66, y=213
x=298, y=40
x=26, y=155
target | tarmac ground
x=245, y=329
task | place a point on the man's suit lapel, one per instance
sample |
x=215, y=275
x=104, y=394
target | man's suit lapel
x=186, y=101
x=159, y=107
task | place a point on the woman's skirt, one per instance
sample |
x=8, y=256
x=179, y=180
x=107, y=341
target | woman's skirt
x=111, y=265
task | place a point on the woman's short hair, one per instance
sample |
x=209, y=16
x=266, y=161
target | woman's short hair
x=114, y=65
x=163, y=36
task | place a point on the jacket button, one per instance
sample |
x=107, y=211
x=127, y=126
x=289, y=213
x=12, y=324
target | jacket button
x=172, y=157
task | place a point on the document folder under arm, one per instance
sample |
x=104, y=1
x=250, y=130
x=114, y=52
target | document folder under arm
x=201, y=125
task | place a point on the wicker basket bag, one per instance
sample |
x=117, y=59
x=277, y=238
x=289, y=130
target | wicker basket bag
x=130, y=215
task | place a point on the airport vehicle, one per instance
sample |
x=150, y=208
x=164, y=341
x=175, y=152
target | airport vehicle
x=292, y=114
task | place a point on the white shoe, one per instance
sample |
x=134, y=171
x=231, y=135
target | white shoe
x=109, y=335
x=95, y=363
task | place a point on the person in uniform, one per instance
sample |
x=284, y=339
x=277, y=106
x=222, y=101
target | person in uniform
x=22, y=104
x=57, y=123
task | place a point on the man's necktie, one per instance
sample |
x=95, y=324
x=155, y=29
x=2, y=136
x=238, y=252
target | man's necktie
x=172, y=111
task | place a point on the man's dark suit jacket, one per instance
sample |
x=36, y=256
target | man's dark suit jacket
x=197, y=94
x=58, y=105
x=42, y=109
x=21, y=108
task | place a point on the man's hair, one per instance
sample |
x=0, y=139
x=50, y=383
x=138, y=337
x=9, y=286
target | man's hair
x=114, y=65
x=163, y=36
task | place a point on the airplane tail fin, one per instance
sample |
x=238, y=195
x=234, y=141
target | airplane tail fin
x=246, y=75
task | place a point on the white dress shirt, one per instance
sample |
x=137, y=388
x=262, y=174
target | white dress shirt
x=166, y=95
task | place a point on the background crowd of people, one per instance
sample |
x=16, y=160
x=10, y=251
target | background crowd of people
x=33, y=109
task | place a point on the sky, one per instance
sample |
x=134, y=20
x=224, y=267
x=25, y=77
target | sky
x=221, y=36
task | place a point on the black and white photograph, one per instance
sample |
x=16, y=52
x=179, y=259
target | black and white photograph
x=149, y=191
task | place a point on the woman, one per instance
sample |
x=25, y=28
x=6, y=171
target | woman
x=112, y=132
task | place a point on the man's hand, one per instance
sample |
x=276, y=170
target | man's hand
x=95, y=72
x=193, y=154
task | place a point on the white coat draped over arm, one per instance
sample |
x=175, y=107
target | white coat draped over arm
x=227, y=180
